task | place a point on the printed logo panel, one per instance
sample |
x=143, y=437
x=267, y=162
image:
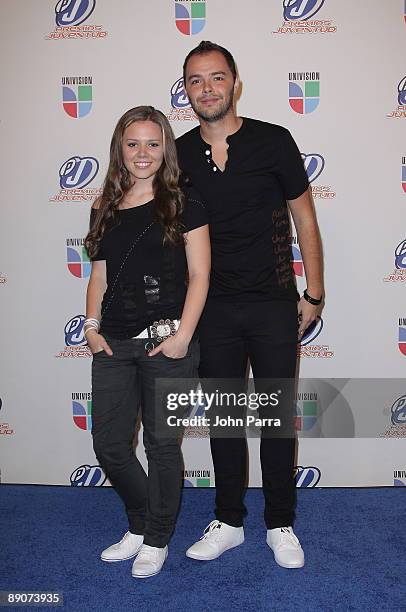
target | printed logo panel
x=314, y=165
x=294, y=10
x=82, y=414
x=190, y=17
x=88, y=476
x=77, y=172
x=307, y=477
x=73, y=12
x=304, y=91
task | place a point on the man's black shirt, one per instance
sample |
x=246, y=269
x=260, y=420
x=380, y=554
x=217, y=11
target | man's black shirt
x=246, y=204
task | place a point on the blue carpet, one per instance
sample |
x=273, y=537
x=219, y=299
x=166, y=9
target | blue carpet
x=354, y=542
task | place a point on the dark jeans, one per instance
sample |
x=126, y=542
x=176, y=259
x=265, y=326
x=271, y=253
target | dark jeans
x=121, y=385
x=266, y=334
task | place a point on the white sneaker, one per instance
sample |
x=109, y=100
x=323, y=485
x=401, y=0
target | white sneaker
x=126, y=548
x=286, y=547
x=217, y=538
x=149, y=561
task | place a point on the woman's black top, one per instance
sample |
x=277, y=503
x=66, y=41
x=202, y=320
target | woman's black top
x=146, y=278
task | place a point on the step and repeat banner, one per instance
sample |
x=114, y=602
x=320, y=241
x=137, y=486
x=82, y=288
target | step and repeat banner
x=331, y=71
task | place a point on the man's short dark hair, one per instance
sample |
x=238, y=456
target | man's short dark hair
x=205, y=47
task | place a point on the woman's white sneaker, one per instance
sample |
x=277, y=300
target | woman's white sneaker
x=217, y=538
x=286, y=547
x=125, y=549
x=149, y=561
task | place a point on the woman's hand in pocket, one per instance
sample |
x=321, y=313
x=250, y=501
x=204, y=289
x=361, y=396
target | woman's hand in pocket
x=97, y=343
x=173, y=347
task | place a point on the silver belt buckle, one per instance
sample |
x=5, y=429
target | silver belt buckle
x=160, y=330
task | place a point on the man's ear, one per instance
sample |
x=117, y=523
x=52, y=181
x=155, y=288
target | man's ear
x=236, y=85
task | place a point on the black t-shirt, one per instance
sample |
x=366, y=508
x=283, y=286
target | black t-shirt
x=246, y=205
x=145, y=282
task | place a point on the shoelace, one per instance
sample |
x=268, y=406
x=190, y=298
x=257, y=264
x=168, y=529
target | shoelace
x=209, y=531
x=288, y=537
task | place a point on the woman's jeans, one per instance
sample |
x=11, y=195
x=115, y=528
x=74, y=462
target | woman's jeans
x=123, y=385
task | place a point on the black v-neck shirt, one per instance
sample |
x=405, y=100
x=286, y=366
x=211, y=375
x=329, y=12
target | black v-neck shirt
x=146, y=279
x=247, y=209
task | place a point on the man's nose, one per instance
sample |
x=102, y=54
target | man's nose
x=207, y=86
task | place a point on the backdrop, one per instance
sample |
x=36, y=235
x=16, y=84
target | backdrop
x=334, y=73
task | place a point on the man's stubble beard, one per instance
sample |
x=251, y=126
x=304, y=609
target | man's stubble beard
x=219, y=114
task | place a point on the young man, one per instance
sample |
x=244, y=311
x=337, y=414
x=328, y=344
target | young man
x=248, y=173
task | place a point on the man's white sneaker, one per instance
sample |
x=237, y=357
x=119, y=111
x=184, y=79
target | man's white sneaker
x=217, y=538
x=149, y=561
x=126, y=548
x=286, y=547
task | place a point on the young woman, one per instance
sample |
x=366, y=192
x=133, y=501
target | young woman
x=146, y=236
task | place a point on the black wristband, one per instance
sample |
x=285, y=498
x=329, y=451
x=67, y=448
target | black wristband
x=312, y=300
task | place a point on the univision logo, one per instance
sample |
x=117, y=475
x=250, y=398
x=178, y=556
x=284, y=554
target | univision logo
x=82, y=410
x=294, y=10
x=77, y=259
x=402, y=335
x=297, y=261
x=306, y=413
x=88, y=476
x=196, y=478
x=190, y=16
x=73, y=12
x=77, y=101
x=307, y=477
x=399, y=478
x=304, y=91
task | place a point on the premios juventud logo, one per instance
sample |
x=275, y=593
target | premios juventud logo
x=190, y=16
x=5, y=428
x=88, y=476
x=302, y=17
x=397, y=425
x=75, y=341
x=75, y=19
x=76, y=175
x=307, y=346
x=398, y=274
x=181, y=109
x=400, y=111
x=314, y=164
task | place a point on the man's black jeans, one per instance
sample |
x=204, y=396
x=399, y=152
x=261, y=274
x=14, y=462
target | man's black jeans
x=121, y=386
x=266, y=333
